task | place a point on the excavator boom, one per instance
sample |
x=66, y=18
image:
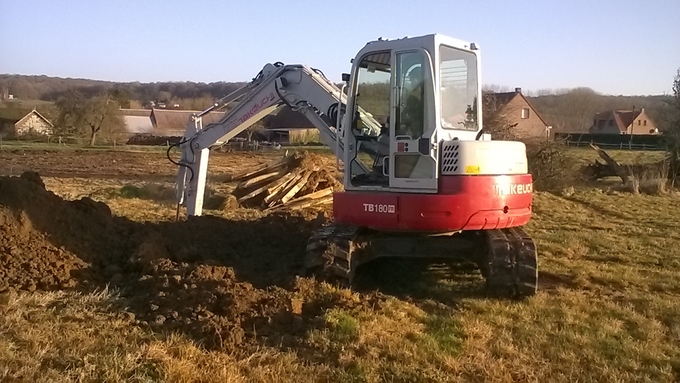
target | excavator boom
x=299, y=87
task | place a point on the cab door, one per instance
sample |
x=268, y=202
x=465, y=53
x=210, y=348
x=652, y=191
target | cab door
x=413, y=150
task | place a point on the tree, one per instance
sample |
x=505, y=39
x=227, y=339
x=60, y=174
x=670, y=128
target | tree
x=676, y=98
x=254, y=128
x=673, y=133
x=88, y=117
x=69, y=109
x=122, y=97
x=102, y=115
x=495, y=122
x=164, y=96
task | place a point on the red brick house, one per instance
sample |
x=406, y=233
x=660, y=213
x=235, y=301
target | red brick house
x=519, y=113
x=623, y=122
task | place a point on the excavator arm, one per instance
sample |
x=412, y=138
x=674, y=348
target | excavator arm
x=299, y=87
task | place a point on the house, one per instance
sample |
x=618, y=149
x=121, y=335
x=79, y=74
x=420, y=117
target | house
x=16, y=123
x=623, y=122
x=516, y=109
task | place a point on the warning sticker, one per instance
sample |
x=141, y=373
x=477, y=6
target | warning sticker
x=472, y=169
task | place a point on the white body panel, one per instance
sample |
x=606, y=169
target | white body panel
x=483, y=158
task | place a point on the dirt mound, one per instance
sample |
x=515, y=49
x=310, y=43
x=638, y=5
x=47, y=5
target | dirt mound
x=28, y=260
x=46, y=240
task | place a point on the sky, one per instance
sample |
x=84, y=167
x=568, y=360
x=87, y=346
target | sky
x=612, y=46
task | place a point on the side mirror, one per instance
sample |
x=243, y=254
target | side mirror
x=345, y=77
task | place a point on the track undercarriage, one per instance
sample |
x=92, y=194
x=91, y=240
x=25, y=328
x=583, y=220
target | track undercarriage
x=506, y=257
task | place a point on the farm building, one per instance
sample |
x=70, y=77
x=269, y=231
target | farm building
x=167, y=122
x=623, y=122
x=285, y=126
x=137, y=120
x=16, y=123
x=290, y=127
x=514, y=107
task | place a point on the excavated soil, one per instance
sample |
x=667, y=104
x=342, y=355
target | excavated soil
x=226, y=283
x=46, y=240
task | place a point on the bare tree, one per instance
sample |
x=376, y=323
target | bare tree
x=88, y=117
x=254, y=128
x=102, y=114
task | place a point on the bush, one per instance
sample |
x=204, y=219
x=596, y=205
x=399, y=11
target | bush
x=550, y=165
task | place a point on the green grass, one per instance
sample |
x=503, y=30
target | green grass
x=446, y=331
x=344, y=327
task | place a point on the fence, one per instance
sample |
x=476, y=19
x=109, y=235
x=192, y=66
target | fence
x=615, y=141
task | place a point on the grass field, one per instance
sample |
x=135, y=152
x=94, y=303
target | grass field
x=607, y=310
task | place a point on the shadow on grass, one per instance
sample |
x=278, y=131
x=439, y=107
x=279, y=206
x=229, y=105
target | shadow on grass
x=551, y=281
x=597, y=209
x=445, y=281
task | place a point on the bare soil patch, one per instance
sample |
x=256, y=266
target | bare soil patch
x=116, y=164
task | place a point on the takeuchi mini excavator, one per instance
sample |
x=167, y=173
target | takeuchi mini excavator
x=421, y=178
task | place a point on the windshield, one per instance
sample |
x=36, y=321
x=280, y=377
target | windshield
x=373, y=96
x=458, y=88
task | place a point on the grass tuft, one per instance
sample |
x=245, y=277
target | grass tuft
x=344, y=327
x=446, y=332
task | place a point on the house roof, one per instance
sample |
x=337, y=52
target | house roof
x=623, y=118
x=136, y=112
x=504, y=98
x=138, y=124
x=17, y=115
x=168, y=120
x=13, y=114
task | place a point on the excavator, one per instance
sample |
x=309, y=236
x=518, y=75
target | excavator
x=421, y=176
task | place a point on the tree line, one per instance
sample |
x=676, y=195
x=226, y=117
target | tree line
x=127, y=93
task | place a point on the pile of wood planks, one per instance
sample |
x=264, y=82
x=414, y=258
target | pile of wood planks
x=293, y=182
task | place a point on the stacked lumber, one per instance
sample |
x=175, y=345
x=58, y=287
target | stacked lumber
x=293, y=182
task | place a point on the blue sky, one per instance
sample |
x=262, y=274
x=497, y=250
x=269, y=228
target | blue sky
x=613, y=46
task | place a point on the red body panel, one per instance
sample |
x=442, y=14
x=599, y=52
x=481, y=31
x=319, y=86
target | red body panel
x=462, y=203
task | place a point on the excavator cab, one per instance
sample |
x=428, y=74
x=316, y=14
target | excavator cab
x=426, y=90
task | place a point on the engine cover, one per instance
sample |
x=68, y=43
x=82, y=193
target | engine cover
x=483, y=158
